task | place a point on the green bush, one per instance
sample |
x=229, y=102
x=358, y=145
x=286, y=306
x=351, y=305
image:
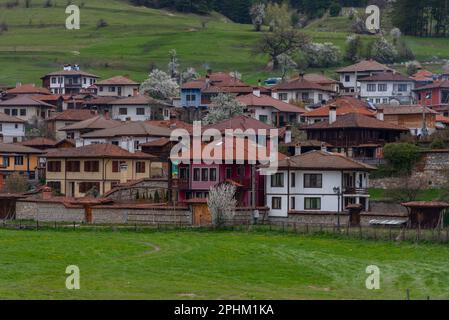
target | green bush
x=437, y=143
x=401, y=156
x=335, y=9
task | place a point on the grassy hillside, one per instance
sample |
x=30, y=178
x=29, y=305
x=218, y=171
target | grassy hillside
x=136, y=38
x=215, y=265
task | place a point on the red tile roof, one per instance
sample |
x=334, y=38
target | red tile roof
x=267, y=101
x=97, y=151
x=171, y=124
x=436, y=84
x=218, y=82
x=344, y=105
x=406, y=109
x=39, y=142
x=70, y=73
x=137, y=100
x=47, y=97
x=422, y=75
x=5, y=118
x=354, y=120
x=25, y=101
x=386, y=76
x=239, y=122
x=72, y=115
x=95, y=123
x=118, y=80
x=134, y=129
x=28, y=89
x=8, y=148
x=365, y=65
x=300, y=84
x=323, y=160
x=441, y=118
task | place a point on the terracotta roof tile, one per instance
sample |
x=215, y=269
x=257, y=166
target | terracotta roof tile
x=38, y=142
x=171, y=124
x=323, y=160
x=28, y=89
x=6, y=148
x=239, y=122
x=406, y=109
x=299, y=84
x=72, y=115
x=354, y=120
x=25, y=101
x=267, y=101
x=5, y=118
x=436, y=84
x=365, y=65
x=95, y=123
x=135, y=128
x=118, y=80
x=344, y=105
x=69, y=73
x=386, y=76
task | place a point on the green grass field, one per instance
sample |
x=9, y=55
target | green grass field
x=136, y=38
x=424, y=195
x=215, y=265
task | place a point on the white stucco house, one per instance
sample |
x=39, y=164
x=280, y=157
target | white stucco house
x=139, y=108
x=118, y=86
x=129, y=136
x=387, y=87
x=350, y=75
x=302, y=90
x=12, y=129
x=317, y=181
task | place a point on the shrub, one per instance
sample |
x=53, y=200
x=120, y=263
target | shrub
x=102, y=24
x=322, y=54
x=437, y=143
x=354, y=47
x=16, y=183
x=412, y=67
x=334, y=9
x=401, y=156
x=383, y=51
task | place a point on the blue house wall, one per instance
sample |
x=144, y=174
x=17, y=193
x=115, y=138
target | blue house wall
x=196, y=93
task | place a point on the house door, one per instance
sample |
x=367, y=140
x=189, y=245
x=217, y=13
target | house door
x=201, y=215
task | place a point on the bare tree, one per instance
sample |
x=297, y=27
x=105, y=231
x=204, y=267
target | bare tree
x=222, y=203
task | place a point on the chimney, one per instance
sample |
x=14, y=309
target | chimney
x=207, y=80
x=47, y=193
x=380, y=114
x=288, y=134
x=332, y=113
x=256, y=92
x=123, y=172
x=301, y=75
x=106, y=115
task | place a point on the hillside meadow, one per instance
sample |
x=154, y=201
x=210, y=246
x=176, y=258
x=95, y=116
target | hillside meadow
x=137, y=39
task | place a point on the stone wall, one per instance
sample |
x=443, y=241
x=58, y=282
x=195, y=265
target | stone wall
x=432, y=171
x=48, y=211
x=142, y=188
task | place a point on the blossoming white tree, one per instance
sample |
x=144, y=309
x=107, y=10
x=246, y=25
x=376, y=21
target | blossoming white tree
x=222, y=203
x=223, y=106
x=257, y=13
x=160, y=85
x=189, y=75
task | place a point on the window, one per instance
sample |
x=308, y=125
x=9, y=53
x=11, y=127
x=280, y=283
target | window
x=263, y=118
x=276, y=203
x=312, y=203
x=23, y=112
x=54, y=166
x=115, y=143
x=347, y=78
x=196, y=174
x=320, y=97
x=140, y=167
x=183, y=173
x=191, y=97
x=371, y=87
x=283, y=96
x=14, y=112
x=1, y=127
x=101, y=89
x=228, y=173
x=123, y=111
x=312, y=180
x=402, y=87
x=277, y=180
x=114, y=184
x=213, y=174
x=239, y=171
x=73, y=166
x=54, y=185
x=111, y=89
x=382, y=87
x=136, y=145
x=53, y=80
x=305, y=96
x=140, y=111
x=8, y=112
x=116, y=165
x=91, y=166
x=204, y=174
x=293, y=179
x=18, y=160
x=87, y=186
x=6, y=161
x=293, y=203
x=385, y=100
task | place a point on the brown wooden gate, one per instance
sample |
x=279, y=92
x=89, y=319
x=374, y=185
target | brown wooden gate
x=201, y=214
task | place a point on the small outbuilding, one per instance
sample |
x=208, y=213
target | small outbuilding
x=426, y=214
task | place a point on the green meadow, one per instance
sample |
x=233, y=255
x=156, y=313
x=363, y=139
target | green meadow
x=137, y=39
x=190, y=264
